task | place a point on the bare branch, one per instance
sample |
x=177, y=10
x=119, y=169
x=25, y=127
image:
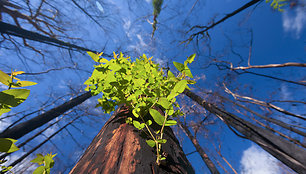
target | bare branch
x=262, y=103
x=271, y=66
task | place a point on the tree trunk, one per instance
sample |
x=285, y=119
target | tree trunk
x=290, y=154
x=25, y=127
x=13, y=30
x=121, y=148
x=210, y=165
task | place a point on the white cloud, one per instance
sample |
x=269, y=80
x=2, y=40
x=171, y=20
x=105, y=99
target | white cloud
x=99, y=6
x=294, y=22
x=255, y=160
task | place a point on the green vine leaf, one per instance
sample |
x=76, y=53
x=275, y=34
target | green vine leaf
x=170, y=123
x=158, y=118
x=151, y=143
x=162, y=141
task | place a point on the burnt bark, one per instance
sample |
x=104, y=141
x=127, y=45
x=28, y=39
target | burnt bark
x=13, y=30
x=289, y=153
x=23, y=128
x=121, y=148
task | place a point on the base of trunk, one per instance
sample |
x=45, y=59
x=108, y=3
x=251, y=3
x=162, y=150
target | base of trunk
x=120, y=148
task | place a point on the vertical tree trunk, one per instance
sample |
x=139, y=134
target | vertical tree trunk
x=120, y=148
x=210, y=165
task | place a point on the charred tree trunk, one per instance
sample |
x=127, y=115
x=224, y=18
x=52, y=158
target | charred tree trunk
x=121, y=148
x=25, y=127
x=13, y=30
x=289, y=153
x=210, y=165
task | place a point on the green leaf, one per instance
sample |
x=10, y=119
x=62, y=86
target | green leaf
x=157, y=117
x=5, y=79
x=163, y=158
x=149, y=122
x=135, y=112
x=162, y=141
x=39, y=159
x=4, y=109
x=170, y=123
x=180, y=86
x=187, y=72
x=151, y=143
x=139, y=82
x=190, y=59
x=49, y=162
x=39, y=170
x=13, y=97
x=164, y=102
x=7, y=145
x=170, y=75
x=94, y=56
x=170, y=110
x=179, y=66
x=191, y=81
x=136, y=124
x=23, y=84
x=129, y=120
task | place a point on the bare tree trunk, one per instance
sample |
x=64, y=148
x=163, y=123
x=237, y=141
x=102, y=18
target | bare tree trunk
x=120, y=148
x=289, y=153
x=13, y=30
x=25, y=127
x=211, y=166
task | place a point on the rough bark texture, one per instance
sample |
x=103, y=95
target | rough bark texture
x=120, y=148
x=290, y=154
x=34, y=123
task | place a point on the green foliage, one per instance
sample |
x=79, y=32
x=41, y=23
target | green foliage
x=46, y=163
x=278, y=4
x=144, y=87
x=7, y=145
x=13, y=97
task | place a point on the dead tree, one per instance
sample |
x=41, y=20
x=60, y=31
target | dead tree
x=120, y=148
x=289, y=153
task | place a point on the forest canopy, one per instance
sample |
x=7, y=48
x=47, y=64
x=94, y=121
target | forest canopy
x=229, y=77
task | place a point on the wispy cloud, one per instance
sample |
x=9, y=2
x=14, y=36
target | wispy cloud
x=255, y=160
x=295, y=21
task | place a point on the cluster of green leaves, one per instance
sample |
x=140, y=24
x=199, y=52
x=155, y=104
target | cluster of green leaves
x=142, y=86
x=46, y=163
x=11, y=98
x=278, y=4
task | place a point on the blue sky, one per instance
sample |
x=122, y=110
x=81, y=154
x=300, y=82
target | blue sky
x=277, y=38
